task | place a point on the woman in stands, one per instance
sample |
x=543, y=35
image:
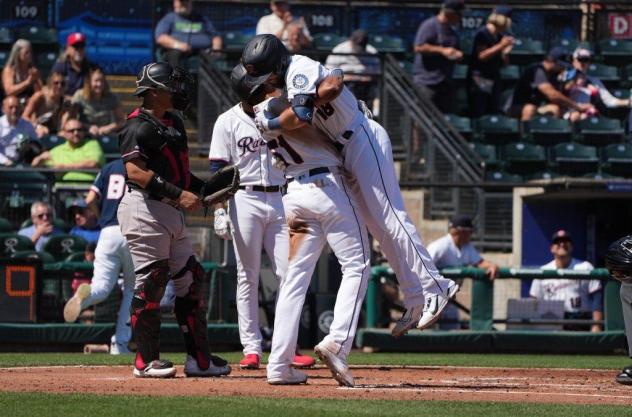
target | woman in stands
x=46, y=109
x=20, y=78
x=99, y=108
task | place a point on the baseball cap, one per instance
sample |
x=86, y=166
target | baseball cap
x=75, y=38
x=503, y=10
x=460, y=221
x=561, y=235
x=454, y=6
x=78, y=203
x=559, y=55
x=582, y=54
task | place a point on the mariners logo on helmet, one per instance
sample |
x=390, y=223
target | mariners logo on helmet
x=299, y=81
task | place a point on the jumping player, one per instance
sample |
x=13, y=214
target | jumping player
x=153, y=145
x=426, y=292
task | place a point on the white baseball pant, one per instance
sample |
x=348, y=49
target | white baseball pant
x=258, y=222
x=320, y=210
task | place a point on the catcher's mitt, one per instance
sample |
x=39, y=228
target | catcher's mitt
x=221, y=186
x=619, y=259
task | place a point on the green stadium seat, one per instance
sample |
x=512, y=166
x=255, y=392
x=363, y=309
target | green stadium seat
x=12, y=242
x=61, y=246
x=523, y=158
x=542, y=175
x=607, y=74
x=76, y=257
x=510, y=73
x=6, y=37
x=407, y=66
x=326, y=41
x=6, y=226
x=4, y=55
x=616, y=51
x=497, y=129
x=502, y=176
x=38, y=35
x=30, y=254
x=45, y=62
x=617, y=159
x=526, y=51
x=50, y=141
x=622, y=93
x=385, y=43
x=574, y=158
x=487, y=153
x=600, y=131
x=462, y=106
x=463, y=125
x=546, y=130
x=235, y=40
x=599, y=176
x=460, y=72
x=466, y=43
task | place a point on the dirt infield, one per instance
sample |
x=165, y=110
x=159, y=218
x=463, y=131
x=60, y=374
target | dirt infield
x=408, y=383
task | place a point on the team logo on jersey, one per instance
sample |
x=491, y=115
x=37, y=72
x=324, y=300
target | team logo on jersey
x=249, y=144
x=299, y=81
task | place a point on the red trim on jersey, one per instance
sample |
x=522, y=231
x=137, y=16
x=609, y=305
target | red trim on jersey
x=134, y=113
x=172, y=164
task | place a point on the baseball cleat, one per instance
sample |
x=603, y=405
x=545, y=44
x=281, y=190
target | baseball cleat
x=250, y=361
x=625, y=376
x=435, y=304
x=217, y=367
x=408, y=321
x=72, y=309
x=290, y=376
x=156, y=369
x=337, y=364
x=303, y=361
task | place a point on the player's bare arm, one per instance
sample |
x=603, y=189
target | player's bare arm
x=91, y=200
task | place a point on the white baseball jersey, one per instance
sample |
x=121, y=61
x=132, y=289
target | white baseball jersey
x=334, y=118
x=237, y=140
x=573, y=292
x=446, y=254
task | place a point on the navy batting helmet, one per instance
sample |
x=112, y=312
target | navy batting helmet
x=619, y=259
x=263, y=56
x=162, y=76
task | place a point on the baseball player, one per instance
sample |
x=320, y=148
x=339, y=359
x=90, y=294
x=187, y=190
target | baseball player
x=255, y=213
x=619, y=263
x=426, y=292
x=153, y=145
x=111, y=256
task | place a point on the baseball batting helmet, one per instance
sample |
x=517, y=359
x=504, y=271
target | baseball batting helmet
x=244, y=89
x=162, y=76
x=619, y=259
x=263, y=56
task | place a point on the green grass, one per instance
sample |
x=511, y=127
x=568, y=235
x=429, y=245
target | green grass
x=356, y=358
x=69, y=405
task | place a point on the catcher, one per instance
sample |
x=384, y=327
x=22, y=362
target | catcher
x=153, y=145
x=619, y=264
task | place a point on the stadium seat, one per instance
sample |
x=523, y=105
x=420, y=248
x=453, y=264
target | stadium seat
x=39, y=35
x=609, y=75
x=109, y=146
x=29, y=254
x=76, y=257
x=235, y=40
x=616, y=51
x=45, y=62
x=61, y=246
x=460, y=73
x=617, y=159
x=599, y=131
x=326, y=41
x=599, y=176
x=463, y=125
x=545, y=130
x=4, y=55
x=510, y=73
x=526, y=51
x=523, y=158
x=465, y=45
x=502, y=176
x=542, y=175
x=574, y=158
x=570, y=44
x=50, y=141
x=462, y=104
x=12, y=242
x=487, y=153
x=498, y=129
x=6, y=226
x=407, y=66
x=385, y=43
x=6, y=37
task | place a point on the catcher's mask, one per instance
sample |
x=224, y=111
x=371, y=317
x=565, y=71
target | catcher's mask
x=619, y=259
x=162, y=76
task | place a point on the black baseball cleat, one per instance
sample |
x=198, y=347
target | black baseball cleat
x=625, y=377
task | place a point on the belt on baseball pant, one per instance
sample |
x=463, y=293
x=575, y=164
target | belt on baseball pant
x=310, y=173
x=261, y=188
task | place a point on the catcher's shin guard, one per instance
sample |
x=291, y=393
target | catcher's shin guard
x=145, y=311
x=191, y=314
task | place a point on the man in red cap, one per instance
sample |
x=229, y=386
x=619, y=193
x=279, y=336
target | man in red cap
x=72, y=63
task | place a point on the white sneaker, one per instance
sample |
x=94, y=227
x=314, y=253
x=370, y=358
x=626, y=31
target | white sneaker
x=217, y=367
x=156, y=369
x=337, y=363
x=290, y=376
x=408, y=321
x=435, y=304
x=119, y=349
x=72, y=309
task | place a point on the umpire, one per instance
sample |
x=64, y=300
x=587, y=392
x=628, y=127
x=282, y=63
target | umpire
x=153, y=145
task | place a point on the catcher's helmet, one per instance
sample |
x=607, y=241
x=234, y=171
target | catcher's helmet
x=619, y=259
x=263, y=56
x=161, y=75
x=242, y=86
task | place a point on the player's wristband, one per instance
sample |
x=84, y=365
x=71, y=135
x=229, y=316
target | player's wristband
x=274, y=124
x=162, y=188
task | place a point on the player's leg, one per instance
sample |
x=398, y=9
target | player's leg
x=123, y=332
x=625, y=376
x=247, y=214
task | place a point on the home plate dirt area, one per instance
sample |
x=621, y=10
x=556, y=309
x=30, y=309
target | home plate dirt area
x=372, y=382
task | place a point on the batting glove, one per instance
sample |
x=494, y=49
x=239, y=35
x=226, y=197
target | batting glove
x=278, y=162
x=221, y=224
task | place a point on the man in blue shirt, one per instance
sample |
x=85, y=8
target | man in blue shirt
x=85, y=221
x=73, y=63
x=182, y=33
x=42, y=228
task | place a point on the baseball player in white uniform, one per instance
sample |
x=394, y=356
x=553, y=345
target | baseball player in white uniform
x=256, y=214
x=426, y=292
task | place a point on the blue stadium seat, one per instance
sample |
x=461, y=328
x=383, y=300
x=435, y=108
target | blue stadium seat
x=574, y=158
x=50, y=141
x=39, y=35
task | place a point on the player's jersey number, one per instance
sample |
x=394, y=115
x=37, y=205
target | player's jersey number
x=279, y=144
x=116, y=187
x=325, y=111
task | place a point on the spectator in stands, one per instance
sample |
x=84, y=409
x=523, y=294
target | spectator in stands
x=13, y=129
x=536, y=91
x=86, y=222
x=97, y=106
x=20, y=78
x=582, y=298
x=73, y=63
x=575, y=86
x=182, y=33
x=455, y=250
x=436, y=52
x=490, y=52
x=76, y=153
x=359, y=70
x=295, y=38
x=82, y=277
x=42, y=229
x=279, y=21
x=47, y=108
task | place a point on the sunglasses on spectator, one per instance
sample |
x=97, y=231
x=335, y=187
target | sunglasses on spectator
x=79, y=46
x=584, y=60
x=77, y=129
x=42, y=215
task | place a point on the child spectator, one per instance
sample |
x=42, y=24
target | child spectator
x=86, y=222
x=42, y=216
x=20, y=78
x=73, y=64
x=46, y=109
x=574, y=84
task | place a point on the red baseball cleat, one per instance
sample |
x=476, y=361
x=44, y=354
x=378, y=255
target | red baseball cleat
x=250, y=361
x=303, y=361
